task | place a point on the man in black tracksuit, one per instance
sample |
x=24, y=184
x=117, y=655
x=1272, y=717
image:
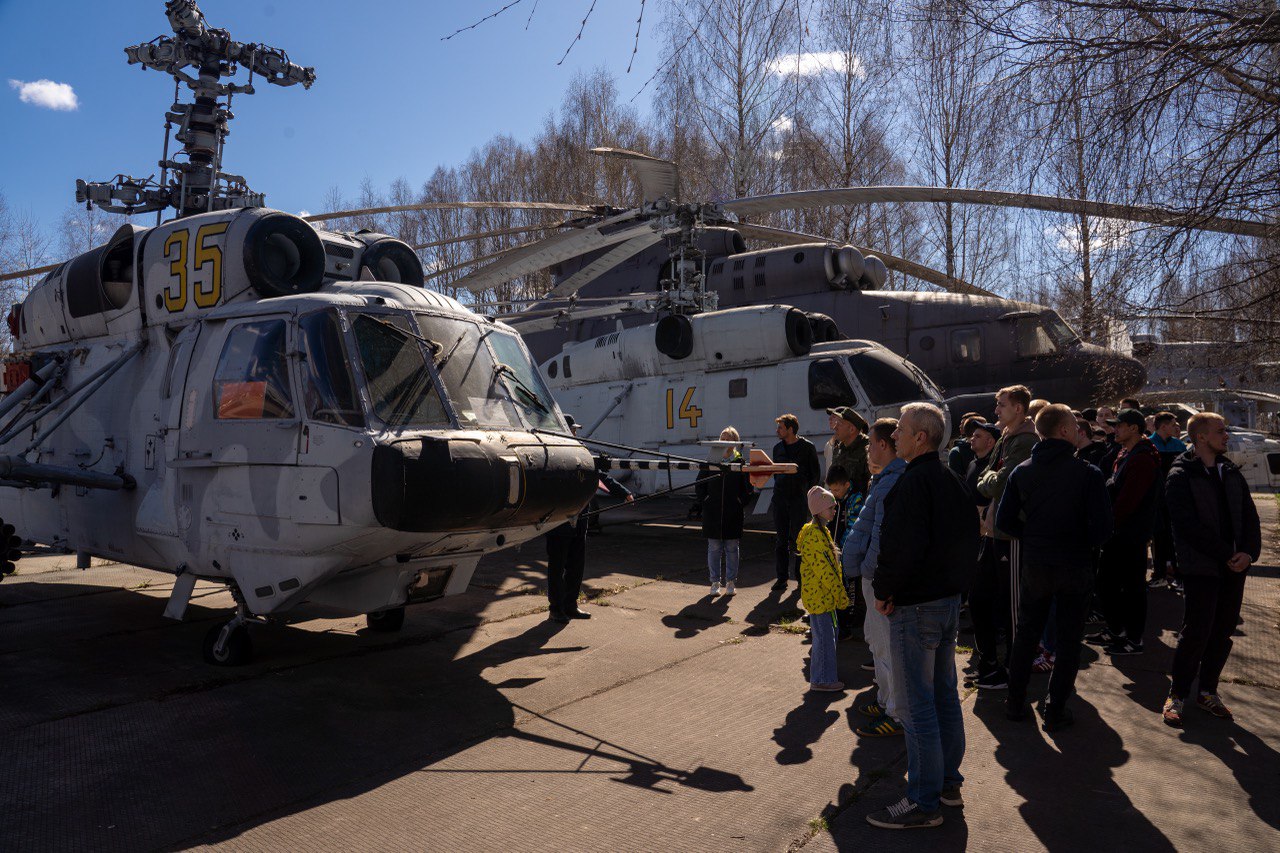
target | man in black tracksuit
x=1217, y=536
x=790, y=510
x=1057, y=506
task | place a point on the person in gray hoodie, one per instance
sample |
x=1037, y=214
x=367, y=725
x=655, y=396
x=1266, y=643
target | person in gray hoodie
x=859, y=558
x=993, y=601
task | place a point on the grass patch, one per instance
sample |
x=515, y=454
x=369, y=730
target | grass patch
x=732, y=641
x=964, y=650
x=819, y=824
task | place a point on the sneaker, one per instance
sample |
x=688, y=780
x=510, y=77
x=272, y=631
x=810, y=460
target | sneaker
x=1055, y=720
x=972, y=668
x=1172, y=712
x=828, y=687
x=1102, y=638
x=871, y=709
x=867, y=666
x=1157, y=583
x=779, y=586
x=1123, y=647
x=951, y=797
x=996, y=679
x=715, y=589
x=729, y=588
x=1176, y=586
x=1211, y=703
x=1044, y=663
x=882, y=726
x=904, y=814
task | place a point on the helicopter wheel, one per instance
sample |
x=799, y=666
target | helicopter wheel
x=386, y=621
x=236, y=651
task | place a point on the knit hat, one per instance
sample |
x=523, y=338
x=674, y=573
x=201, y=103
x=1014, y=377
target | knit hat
x=820, y=500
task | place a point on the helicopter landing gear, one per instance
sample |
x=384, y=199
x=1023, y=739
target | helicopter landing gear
x=228, y=644
x=386, y=621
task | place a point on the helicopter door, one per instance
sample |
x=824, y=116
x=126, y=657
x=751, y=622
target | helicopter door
x=239, y=405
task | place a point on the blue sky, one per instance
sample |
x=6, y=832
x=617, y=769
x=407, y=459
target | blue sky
x=390, y=99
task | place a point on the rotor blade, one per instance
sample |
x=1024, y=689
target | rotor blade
x=541, y=254
x=480, y=260
x=876, y=195
x=604, y=263
x=542, y=324
x=902, y=265
x=480, y=235
x=658, y=178
x=24, y=273
x=455, y=205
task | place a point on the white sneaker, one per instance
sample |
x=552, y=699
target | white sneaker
x=715, y=589
x=728, y=588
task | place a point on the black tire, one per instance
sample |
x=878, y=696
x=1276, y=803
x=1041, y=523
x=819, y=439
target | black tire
x=386, y=621
x=237, y=651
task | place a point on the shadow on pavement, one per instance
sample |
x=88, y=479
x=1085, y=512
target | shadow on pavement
x=1255, y=765
x=706, y=612
x=1038, y=772
x=804, y=725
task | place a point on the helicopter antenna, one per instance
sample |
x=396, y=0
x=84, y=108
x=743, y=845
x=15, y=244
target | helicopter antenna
x=198, y=184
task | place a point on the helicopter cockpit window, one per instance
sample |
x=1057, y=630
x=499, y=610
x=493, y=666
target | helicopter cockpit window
x=1033, y=340
x=828, y=386
x=885, y=378
x=488, y=376
x=328, y=391
x=1061, y=332
x=252, y=380
x=400, y=387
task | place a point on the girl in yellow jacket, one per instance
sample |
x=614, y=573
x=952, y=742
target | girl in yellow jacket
x=822, y=589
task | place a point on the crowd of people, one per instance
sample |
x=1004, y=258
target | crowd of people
x=1040, y=523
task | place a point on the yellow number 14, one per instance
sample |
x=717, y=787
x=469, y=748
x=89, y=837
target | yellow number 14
x=687, y=411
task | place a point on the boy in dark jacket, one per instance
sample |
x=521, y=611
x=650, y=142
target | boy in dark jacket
x=1122, y=572
x=1057, y=507
x=1217, y=536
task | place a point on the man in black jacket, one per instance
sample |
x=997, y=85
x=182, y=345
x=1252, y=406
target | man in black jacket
x=928, y=548
x=1134, y=488
x=1057, y=506
x=790, y=510
x=1217, y=536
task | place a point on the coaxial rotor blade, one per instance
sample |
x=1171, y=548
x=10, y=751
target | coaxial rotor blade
x=541, y=254
x=542, y=324
x=478, y=260
x=795, y=238
x=24, y=273
x=454, y=205
x=605, y=262
x=480, y=235
x=658, y=178
x=876, y=195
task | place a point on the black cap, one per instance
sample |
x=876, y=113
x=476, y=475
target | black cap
x=1132, y=417
x=1089, y=414
x=992, y=429
x=848, y=414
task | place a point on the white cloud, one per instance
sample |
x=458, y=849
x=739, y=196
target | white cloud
x=304, y=213
x=782, y=124
x=1105, y=235
x=47, y=94
x=810, y=63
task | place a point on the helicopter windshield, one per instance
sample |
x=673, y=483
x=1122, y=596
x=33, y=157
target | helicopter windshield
x=400, y=388
x=885, y=378
x=1061, y=332
x=488, y=375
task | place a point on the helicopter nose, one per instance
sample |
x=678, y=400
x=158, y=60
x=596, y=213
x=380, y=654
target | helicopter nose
x=1132, y=376
x=1116, y=375
x=434, y=484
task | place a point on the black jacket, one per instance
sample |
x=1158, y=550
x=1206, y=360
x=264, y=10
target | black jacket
x=1057, y=506
x=1193, y=501
x=971, y=475
x=723, y=497
x=1135, y=492
x=928, y=537
x=961, y=457
x=793, y=487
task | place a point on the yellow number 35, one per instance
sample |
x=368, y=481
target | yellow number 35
x=209, y=289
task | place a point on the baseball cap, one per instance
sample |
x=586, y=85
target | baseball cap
x=1132, y=417
x=992, y=429
x=847, y=413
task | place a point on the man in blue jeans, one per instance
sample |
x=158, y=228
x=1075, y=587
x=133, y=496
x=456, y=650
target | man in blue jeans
x=928, y=555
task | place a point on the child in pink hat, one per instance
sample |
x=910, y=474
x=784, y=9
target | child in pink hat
x=822, y=589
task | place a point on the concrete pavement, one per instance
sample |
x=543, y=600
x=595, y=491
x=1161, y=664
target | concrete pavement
x=669, y=721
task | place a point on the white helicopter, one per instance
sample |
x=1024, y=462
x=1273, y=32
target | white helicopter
x=229, y=396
